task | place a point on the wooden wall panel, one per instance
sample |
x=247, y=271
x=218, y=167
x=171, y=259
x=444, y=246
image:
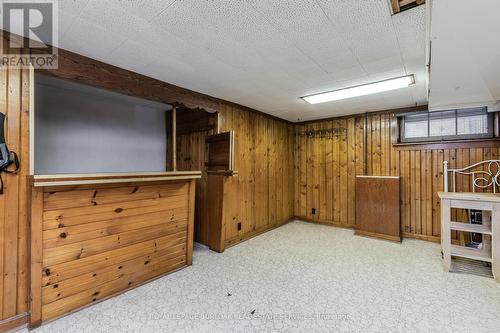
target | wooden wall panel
x=14, y=102
x=364, y=146
x=261, y=196
x=263, y=189
x=327, y=168
x=191, y=156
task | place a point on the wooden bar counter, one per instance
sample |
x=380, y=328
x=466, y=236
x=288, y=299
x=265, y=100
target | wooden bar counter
x=96, y=235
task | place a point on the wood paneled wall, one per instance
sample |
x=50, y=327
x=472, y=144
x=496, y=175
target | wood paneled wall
x=14, y=102
x=191, y=156
x=95, y=241
x=325, y=170
x=261, y=196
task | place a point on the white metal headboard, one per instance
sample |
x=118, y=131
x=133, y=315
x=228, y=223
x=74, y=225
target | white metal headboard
x=480, y=179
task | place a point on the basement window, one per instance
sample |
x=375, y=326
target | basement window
x=473, y=123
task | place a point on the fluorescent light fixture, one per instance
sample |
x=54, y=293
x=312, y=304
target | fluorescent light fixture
x=365, y=89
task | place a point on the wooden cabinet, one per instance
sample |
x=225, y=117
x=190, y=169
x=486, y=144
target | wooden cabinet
x=219, y=153
x=377, y=207
x=219, y=163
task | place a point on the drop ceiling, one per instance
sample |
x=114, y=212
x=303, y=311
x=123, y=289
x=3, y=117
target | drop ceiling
x=264, y=54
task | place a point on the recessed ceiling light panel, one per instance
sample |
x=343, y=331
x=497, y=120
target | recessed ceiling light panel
x=362, y=90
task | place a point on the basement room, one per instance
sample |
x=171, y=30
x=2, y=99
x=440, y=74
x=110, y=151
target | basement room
x=249, y=166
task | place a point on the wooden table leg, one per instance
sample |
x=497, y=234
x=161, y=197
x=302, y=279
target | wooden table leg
x=446, y=233
x=495, y=241
x=486, y=220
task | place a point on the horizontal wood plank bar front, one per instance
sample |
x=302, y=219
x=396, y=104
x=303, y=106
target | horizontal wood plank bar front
x=95, y=236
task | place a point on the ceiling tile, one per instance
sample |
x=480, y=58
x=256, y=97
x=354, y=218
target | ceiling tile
x=74, y=7
x=101, y=43
x=263, y=54
x=146, y=9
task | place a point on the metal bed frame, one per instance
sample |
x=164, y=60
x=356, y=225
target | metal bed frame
x=480, y=179
x=483, y=175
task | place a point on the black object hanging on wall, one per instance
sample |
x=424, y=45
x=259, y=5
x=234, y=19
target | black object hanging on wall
x=7, y=158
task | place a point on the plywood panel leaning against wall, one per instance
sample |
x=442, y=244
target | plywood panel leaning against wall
x=378, y=207
x=362, y=145
x=15, y=104
x=96, y=236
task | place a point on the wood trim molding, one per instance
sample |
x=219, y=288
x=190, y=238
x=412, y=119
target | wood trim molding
x=190, y=231
x=89, y=71
x=376, y=235
x=173, y=138
x=14, y=323
x=70, y=176
x=110, y=181
x=378, y=177
x=452, y=144
x=255, y=233
x=324, y=222
x=36, y=260
x=229, y=173
x=112, y=178
x=434, y=239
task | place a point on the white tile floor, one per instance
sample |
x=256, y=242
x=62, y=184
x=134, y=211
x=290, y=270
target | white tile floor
x=303, y=277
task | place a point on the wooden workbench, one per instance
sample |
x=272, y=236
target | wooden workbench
x=96, y=235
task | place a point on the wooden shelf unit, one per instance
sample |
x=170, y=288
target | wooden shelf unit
x=489, y=204
x=469, y=253
x=477, y=228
